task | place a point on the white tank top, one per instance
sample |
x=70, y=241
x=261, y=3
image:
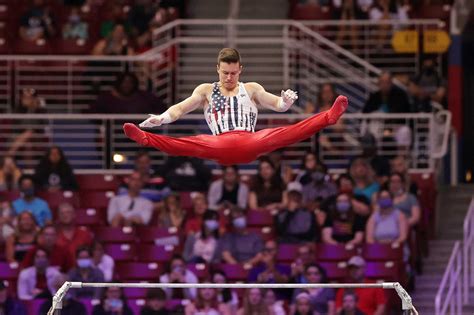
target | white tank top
x=225, y=113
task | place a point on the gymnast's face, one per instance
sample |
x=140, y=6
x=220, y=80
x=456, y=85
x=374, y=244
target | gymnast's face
x=229, y=74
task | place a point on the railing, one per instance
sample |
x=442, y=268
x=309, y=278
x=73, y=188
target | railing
x=449, y=295
x=468, y=252
x=91, y=141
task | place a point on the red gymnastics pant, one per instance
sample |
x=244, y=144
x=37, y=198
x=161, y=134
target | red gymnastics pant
x=237, y=147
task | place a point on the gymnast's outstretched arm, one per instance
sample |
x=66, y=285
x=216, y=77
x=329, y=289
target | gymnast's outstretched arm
x=270, y=101
x=175, y=112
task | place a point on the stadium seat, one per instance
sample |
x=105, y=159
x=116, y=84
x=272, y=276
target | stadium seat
x=115, y=235
x=95, y=199
x=200, y=270
x=382, y=252
x=233, y=272
x=135, y=305
x=136, y=271
x=311, y=12
x=259, y=218
x=33, y=306
x=89, y=304
x=287, y=252
x=134, y=293
x=9, y=195
x=186, y=200
x=98, y=182
x=158, y=236
x=335, y=271
x=121, y=252
x=386, y=271
x=55, y=198
x=90, y=217
x=266, y=232
x=153, y=253
x=39, y=47
x=330, y=252
x=9, y=271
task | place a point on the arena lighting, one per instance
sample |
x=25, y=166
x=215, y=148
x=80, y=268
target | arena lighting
x=119, y=158
x=407, y=304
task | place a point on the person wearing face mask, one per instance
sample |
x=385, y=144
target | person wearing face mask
x=342, y=224
x=201, y=247
x=29, y=202
x=37, y=281
x=112, y=302
x=320, y=187
x=403, y=200
x=178, y=273
x=240, y=245
x=75, y=28
x=387, y=224
x=85, y=271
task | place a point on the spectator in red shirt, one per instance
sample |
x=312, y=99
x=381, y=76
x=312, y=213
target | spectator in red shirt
x=371, y=301
x=194, y=221
x=69, y=234
x=58, y=255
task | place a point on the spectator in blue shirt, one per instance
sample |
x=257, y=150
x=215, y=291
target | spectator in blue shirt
x=29, y=202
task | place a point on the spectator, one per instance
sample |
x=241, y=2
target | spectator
x=240, y=245
x=343, y=224
x=302, y=305
x=308, y=167
x=363, y=176
x=281, y=168
x=228, y=189
x=115, y=15
x=268, y=270
x=419, y=101
x=387, y=224
x=201, y=247
x=8, y=304
x=114, y=44
x=254, y=304
x=305, y=257
x=431, y=82
x=54, y=172
x=23, y=239
x=125, y=97
x=207, y=303
x=227, y=295
x=37, y=22
x=29, y=202
x=9, y=174
x=85, y=271
x=276, y=306
x=70, y=306
x=268, y=188
x=349, y=304
x=326, y=97
x=379, y=163
x=388, y=99
x=186, y=174
x=399, y=164
x=403, y=200
x=141, y=15
x=172, y=214
x=130, y=209
x=178, y=273
x=6, y=226
x=75, y=27
x=360, y=203
x=102, y=261
x=69, y=234
x=58, y=255
x=36, y=282
x=194, y=221
x=371, y=301
x=112, y=302
x=295, y=223
x=155, y=303
x=320, y=187
x=321, y=300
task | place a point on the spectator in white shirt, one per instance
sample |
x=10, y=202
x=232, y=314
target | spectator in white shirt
x=37, y=281
x=102, y=261
x=228, y=189
x=130, y=209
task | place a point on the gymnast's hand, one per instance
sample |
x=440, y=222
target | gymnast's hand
x=288, y=97
x=152, y=122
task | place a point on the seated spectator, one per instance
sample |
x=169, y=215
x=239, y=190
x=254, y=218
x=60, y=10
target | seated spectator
x=54, y=172
x=399, y=164
x=178, y=273
x=253, y=303
x=343, y=225
x=114, y=44
x=302, y=305
x=75, y=27
x=155, y=303
x=360, y=203
x=36, y=282
x=305, y=257
x=380, y=163
x=431, y=82
x=281, y=168
x=308, y=167
x=387, y=224
x=141, y=15
x=9, y=174
x=267, y=269
x=113, y=301
x=23, y=239
x=69, y=234
x=58, y=255
x=326, y=97
x=70, y=306
x=370, y=301
x=201, y=247
x=363, y=176
x=320, y=299
x=268, y=187
x=130, y=209
x=125, y=97
x=102, y=261
x=240, y=245
x=186, y=174
x=403, y=200
x=226, y=296
x=172, y=214
x=349, y=304
x=115, y=15
x=8, y=304
x=388, y=99
x=295, y=223
x=276, y=306
x=228, y=189
x=207, y=303
x=194, y=221
x=29, y=202
x=320, y=187
x=6, y=222
x=419, y=102
x=85, y=271
x=37, y=22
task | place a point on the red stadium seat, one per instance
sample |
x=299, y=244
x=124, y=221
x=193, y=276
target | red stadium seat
x=186, y=200
x=200, y=270
x=54, y=199
x=98, y=182
x=9, y=195
x=266, y=232
x=5, y=46
x=72, y=47
x=149, y=253
x=121, y=252
x=234, y=272
x=287, y=252
x=329, y=252
x=386, y=271
x=115, y=235
x=158, y=236
x=136, y=271
x=90, y=217
x=95, y=199
x=335, y=271
x=33, y=306
x=382, y=252
x=259, y=218
x=8, y=271
x=134, y=293
x=311, y=12
x=25, y=47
